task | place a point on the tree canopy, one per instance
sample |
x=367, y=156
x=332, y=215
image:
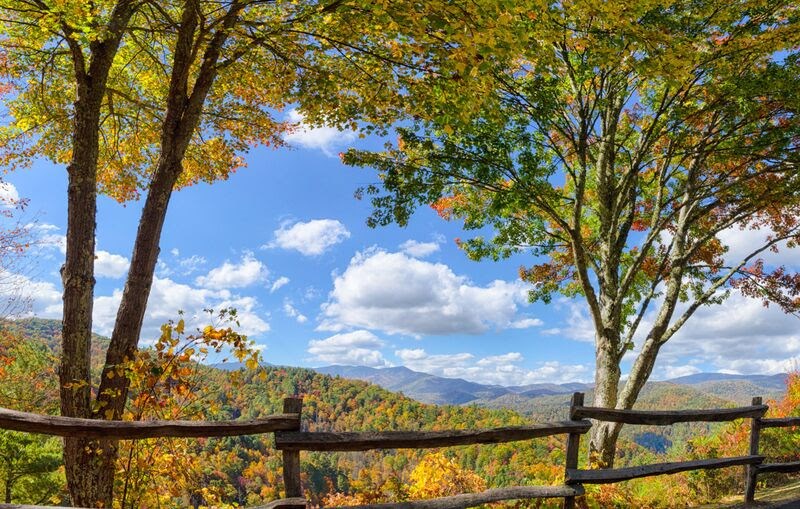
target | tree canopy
x=157, y=95
x=619, y=143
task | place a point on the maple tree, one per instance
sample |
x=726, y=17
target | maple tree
x=619, y=144
x=156, y=95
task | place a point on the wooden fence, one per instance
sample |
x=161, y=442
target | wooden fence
x=291, y=440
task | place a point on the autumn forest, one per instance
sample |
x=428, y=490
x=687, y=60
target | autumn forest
x=615, y=151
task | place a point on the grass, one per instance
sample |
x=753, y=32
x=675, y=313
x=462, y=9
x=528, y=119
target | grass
x=781, y=497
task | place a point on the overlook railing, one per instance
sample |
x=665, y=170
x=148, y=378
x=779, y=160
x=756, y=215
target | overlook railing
x=291, y=440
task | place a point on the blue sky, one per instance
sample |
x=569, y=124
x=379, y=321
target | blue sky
x=285, y=242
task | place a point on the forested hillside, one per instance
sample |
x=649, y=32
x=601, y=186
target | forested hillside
x=247, y=470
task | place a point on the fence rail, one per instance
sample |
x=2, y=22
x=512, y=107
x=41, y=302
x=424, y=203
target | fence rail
x=135, y=430
x=665, y=418
x=291, y=440
x=364, y=441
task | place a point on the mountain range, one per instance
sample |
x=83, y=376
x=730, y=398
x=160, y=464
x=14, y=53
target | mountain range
x=438, y=390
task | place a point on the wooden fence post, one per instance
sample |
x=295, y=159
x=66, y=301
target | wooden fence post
x=573, y=446
x=291, y=459
x=751, y=471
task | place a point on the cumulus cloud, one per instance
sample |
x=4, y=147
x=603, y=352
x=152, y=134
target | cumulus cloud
x=168, y=297
x=279, y=283
x=110, y=265
x=310, y=238
x=743, y=242
x=235, y=275
x=419, y=249
x=325, y=139
x=495, y=369
x=675, y=371
x=49, y=238
x=292, y=312
x=526, y=323
x=738, y=336
x=359, y=348
x=24, y=296
x=395, y=293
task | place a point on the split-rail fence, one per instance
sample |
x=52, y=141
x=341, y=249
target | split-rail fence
x=290, y=439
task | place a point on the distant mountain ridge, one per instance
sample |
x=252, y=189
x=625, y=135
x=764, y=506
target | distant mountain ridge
x=438, y=390
x=427, y=388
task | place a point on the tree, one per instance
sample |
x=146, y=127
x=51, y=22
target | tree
x=619, y=142
x=156, y=95
x=436, y=475
x=29, y=463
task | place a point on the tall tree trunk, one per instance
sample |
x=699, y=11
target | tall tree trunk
x=89, y=472
x=183, y=112
x=603, y=438
x=87, y=476
x=113, y=392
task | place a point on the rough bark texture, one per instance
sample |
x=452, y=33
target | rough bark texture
x=183, y=112
x=88, y=471
x=603, y=437
x=182, y=116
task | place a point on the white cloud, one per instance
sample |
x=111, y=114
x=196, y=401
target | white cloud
x=50, y=240
x=419, y=249
x=21, y=294
x=360, y=348
x=9, y=196
x=500, y=359
x=738, y=336
x=175, y=251
x=496, y=369
x=398, y=294
x=191, y=264
x=310, y=238
x=320, y=138
x=167, y=297
x=292, y=312
x=279, y=283
x=110, y=265
x=679, y=370
x=743, y=242
x=250, y=323
x=578, y=325
x=235, y=275
x=526, y=323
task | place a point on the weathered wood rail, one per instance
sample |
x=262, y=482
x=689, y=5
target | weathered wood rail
x=133, y=430
x=290, y=440
x=757, y=424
